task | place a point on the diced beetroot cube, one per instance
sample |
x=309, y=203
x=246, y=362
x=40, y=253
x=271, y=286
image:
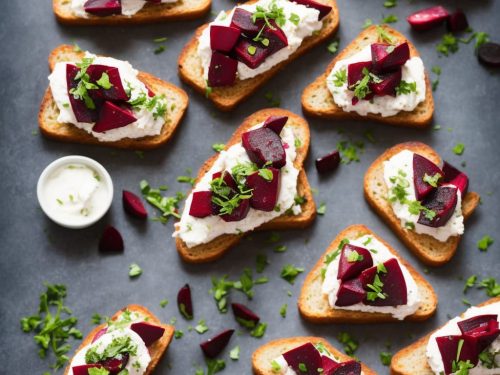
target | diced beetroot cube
x=99, y=334
x=214, y=346
x=276, y=36
x=84, y=369
x=394, y=287
x=264, y=146
x=448, y=347
x=111, y=240
x=455, y=177
x=328, y=163
x=328, y=365
x=323, y=9
x=353, y=260
x=482, y=337
x=201, y=205
x=222, y=70
x=185, y=302
x=347, y=368
x=244, y=315
x=264, y=192
x=386, y=57
x=355, y=72
x=250, y=53
x=422, y=167
x=223, y=38
x=475, y=322
x=489, y=54
x=82, y=113
x=116, y=91
x=239, y=213
x=133, y=205
x=103, y=7
x=242, y=20
x=305, y=355
x=116, y=364
x=113, y=116
x=426, y=19
x=275, y=123
x=350, y=293
x=442, y=201
x=388, y=85
x=457, y=21
x=149, y=333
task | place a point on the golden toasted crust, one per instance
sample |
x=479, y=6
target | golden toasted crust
x=47, y=117
x=181, y=10
x=263, y=356
x=428, y=249
x=318, y=101
x=412, y=360
x=226, y=98
x=219, y=246
x=156, y=350
x=314, y=306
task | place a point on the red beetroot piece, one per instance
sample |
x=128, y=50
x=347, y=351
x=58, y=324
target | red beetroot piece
x=328, y=163
x=276, y=36
x=222, y=70
x=442, y=201
x=275, y=123
x=242, y=20
x=426, y=19
x=448, y=347
x=250, y=53
x=457, y=21
x=116, y=364
x=394, y=287
x=355, y=72
x=116, y=91
x=99, y=334
x=262, y=146
x=264, y=192
x=476, y=322
x=239, y=213
x=149, y=333
x=111, y=240
x=482, y=337
x=388, y=84
x=489, y=54
x=353, y=260
x=84, y=369
x=347, y=368
x=350, y=292
x=214, y=346
x=133, y=205
x=456, y=177
x=328, y=365
x=305, y=355
x=103, y=7
x=113, y=116
x=228, y=179
x=323, y=9
x=150, y=92
x=386, y=57
x=82, y=113
x=223, y=38
x=201, y=204
x=424, y=167
x=185, y=302
x=244, y=315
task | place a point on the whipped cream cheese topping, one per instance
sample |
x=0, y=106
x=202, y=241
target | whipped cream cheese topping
x=412, y=71
x=129, y=7
x=401, y=166
x=195, y=231
x=451, y=328
x=380, y=253
x=295, y=34
x=147, y=123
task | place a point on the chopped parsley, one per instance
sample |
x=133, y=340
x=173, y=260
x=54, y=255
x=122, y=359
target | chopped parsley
x=259, y=331
x=159, y=49
x=432, y=180
x=350, y=150
x=134, y=270
x=168, y=206
x=330, y=257
x=273, y=12
x=186, y=179
x=119, y=345
x=289, y=272
x=491, y=287
x=368, y=22
x=321, y=210
x=160, y=40
x=80, y=92
x=220, y=290
x=448, y=44
x=261, y=263
x=361, y=88
x=354, y=256
x=437, y=71
x=275, y=366
x=384, y=36
x=218, y=147
x=484, y=243
x=283, y=309
x=349, y=343
x=458, y=149
x=385, y=358
x=302, y=367
x=163, y=303
x=333, y=47
x=273, y=100
x=340, y=77
x=390, y=18
x=201, y=327
x=405, y=88
x=390, y=3
x=234, y=353
x=470, y=282
x=104, y=81
x=96, y=319
x=178, y=334
x=214, y=366
x=208, y=90
x=294, y=18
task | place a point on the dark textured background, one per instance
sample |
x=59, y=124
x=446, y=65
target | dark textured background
x=35, y=250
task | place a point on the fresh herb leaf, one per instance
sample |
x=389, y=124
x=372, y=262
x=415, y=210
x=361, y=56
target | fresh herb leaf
x=470, y=282
x=160, y=40
x=218, y=147
x=432, y=180
x=458, y=149
x=384, y=36
x=390, y=3
x=354, y=256
x=261, y=263
x=220, y=290
x=259, y=331
x=163, y=303
x=340, y=77
x=280, y=249
x=273, y=12
x=96, y=319
x=201, y=327
x=283, y=309
x=234, y=354
x=168, y=206
x=134, y=270
x=491, y=286
x=350, y=344
x=333, y=47
x=104, y=81
x=448, y=44
x=385, y=358
x=159, y=49
x=178, y=334
x=289, y=272
x=294, y=18
x=186, y=179
x=390, y=18
x=405, y=88
x=368, y=22
x=273, y=101
x=321, y=210
x=484, y=243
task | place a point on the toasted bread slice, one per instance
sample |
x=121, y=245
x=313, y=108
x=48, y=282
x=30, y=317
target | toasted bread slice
x=263, y=356
x=314, y=306
x=181, y=10
x=219, y=246
x=156, y=350
x=226, y=98
x=318, y=101
x=47, y=116
x=428, y=249
x=412, y=360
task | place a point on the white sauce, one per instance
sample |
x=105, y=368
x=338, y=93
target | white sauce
x=129, y=7
x=404, y=161
x=412, y=71
x=195, y=231
x=146, y=125
x=331, y=284
x=295, y=34
x=451, y=328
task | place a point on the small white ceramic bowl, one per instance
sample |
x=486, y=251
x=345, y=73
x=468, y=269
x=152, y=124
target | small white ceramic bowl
x=75, y=159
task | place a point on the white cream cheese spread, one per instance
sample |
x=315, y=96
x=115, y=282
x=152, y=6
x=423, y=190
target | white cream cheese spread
x=380, y=253
x=129, y=7
x=295, y=33
x=412, y=71
x=451, y=328
x=195, y=231
x=400, y=168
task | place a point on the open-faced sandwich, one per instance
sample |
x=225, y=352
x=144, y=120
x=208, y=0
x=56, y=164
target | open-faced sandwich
x=361, y=279
x=102, y=100
x=379, y=76
x=468, y=345
x=229, y=58
x=132, y=342
x=423, y=199
x=256, y=182
x=304, y=356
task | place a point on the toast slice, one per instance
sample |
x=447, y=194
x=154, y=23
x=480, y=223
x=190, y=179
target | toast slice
x=156, y=350
x=47, y=116
x=181, y=10
x=412, y=360
x=428, y=249
x=318, y=101
x=263, y=356
x=314, y=306
x=226, y=98
x=219, y=246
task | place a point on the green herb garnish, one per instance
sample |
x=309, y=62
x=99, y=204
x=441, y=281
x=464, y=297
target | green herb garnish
x=289, y=272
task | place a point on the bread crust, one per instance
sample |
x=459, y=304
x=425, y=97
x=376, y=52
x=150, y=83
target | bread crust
x=262, y=357
x=314, y=306
x=420, y=117
x=414, y=355
x=47, y=115
x=216, y=248
x=428, y=249
x=151, y=13
x=226, y=98
x=156, y=350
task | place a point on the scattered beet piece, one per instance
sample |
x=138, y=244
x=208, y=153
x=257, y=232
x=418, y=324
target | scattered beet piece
x=222, y=70
x=302, y=356
x=442, y=201
x=422, y=167
x=111, y=240
x=214, y=346
x=149, y=333
x=103, y=7
x=457, y=21
x=201, y=204
x=244, y=315
x=262, y=146
x=323, y=9
x=328, y=163
x=353, y=260
x=84, y=369
x=113, y=116
x=426, y=19
x=264, y=192
x=116, y=364
x=489, y=54
x=133, y=205
x=275, y=123
x=223, y=38
x=185, y=302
